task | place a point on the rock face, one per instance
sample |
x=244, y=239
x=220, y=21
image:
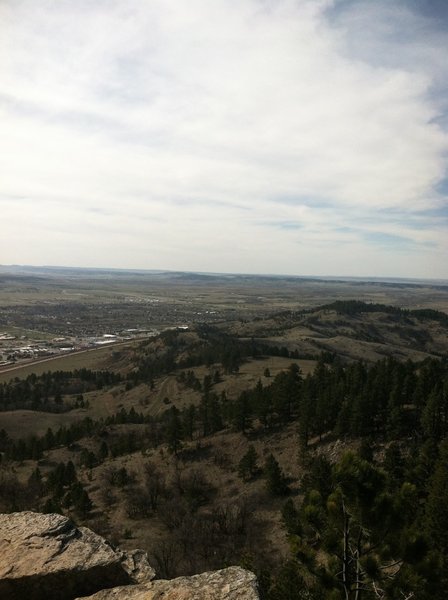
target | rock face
x=233, y=583
x=136, y=565
x=46, y=557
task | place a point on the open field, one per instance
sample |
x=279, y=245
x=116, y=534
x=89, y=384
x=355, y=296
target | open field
x=23, y=423
x=194, y=292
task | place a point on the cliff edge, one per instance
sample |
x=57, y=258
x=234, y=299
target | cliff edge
x=47, y=557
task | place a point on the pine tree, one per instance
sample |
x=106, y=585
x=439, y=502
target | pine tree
x=247, y=467
x=70, y=473
x=394, y=464
x=189, y=421
x=242, y=416
x=365, y=532
x=289, y=584
x=174, y=431
x=434, y=416
x=436, y=510
x=291, y=518
x=275, y=480
x=103, y=451
x=81, y=502
x=286, y=389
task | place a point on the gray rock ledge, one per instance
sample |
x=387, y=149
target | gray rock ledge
x=46, y=557
x=232, y=583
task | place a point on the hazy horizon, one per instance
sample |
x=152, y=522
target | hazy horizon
x=328, y=277
x=291, y=137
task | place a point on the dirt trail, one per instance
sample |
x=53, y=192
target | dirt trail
x=168, y=388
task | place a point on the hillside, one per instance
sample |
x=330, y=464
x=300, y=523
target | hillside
x=370, y=331
x=208, y=448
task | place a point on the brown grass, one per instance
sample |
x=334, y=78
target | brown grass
x=96, y=358
x=23, y=423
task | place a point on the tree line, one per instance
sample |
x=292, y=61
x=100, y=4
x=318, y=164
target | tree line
x=45, y=392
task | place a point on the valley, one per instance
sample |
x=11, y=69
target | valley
x=222, y=431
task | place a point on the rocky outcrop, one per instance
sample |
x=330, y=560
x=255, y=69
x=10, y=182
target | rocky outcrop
x=233, y=583
x=136, y=565
x=46, y=557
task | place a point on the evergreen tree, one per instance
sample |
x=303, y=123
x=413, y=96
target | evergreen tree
x=35, y=483
x=82, y=504
x=189, y=421
x=247, y=467
x=286, y=391
x=366, y=533
x=103, y=452
x=263, y=405
x=289, y=584
x=51, y=506
x=394, y=464
x=436, y=509
x=291, y=518
x=174, y=431
x=70, y=473
x=275, y=480
x=242, y=413
x=434, y=416
x=366, y=449
x=307, y=411
x=319, y=476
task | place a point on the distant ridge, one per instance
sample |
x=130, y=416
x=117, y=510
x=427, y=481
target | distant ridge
x=79, y=272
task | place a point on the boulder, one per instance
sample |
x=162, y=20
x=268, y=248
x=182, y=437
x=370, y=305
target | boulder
x=232, y=583
x=136, y=565
x=46, y=557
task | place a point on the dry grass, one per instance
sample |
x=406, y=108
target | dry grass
x=94, y=359
x=23, y=423
x=167, y=392
x=217, y=459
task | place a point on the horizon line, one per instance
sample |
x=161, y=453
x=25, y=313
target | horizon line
x=367, y=278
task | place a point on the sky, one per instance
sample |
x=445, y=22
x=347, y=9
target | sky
x=305, y=137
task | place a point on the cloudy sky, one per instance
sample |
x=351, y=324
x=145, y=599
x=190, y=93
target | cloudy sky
x=307, y=137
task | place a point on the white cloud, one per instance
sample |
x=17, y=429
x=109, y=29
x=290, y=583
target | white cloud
x=164, y=134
